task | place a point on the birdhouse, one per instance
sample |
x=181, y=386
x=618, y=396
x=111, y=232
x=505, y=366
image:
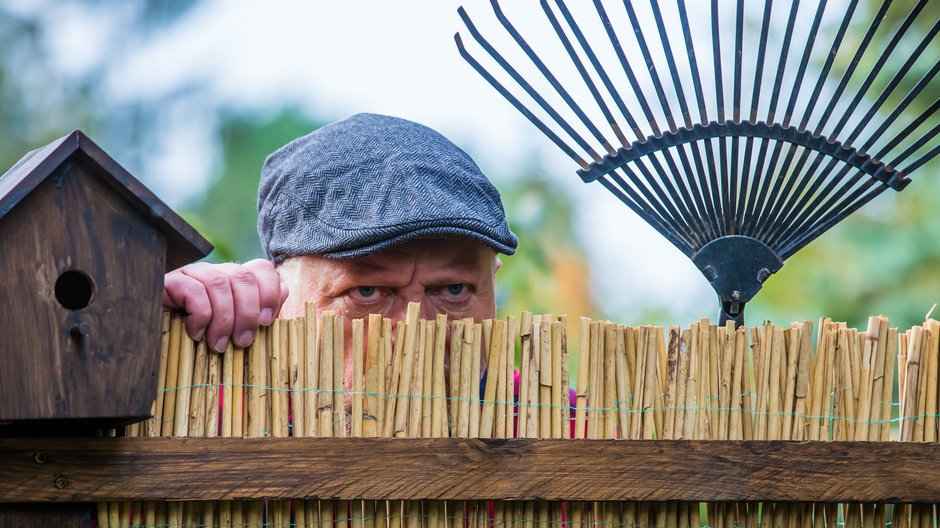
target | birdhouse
x=84, y=249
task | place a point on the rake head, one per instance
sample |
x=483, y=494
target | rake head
x=738, y=194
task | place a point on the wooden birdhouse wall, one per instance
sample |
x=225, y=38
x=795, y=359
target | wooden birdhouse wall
x=81, y=277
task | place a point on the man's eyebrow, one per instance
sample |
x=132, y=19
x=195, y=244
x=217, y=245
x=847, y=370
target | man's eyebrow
x=459, y=269
x=368, y=273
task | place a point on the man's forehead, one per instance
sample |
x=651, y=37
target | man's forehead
x=456, y=253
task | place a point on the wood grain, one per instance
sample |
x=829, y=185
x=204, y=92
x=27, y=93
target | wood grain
x=73, y=222
x=110, y=469
x=69, y=207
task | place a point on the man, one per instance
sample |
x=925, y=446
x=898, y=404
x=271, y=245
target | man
x=361, y=216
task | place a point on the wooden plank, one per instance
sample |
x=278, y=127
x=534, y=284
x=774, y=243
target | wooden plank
x=110, y=469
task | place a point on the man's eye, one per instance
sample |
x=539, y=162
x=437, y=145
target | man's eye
x=454, y=293
x=365, y=294
x=366, y=291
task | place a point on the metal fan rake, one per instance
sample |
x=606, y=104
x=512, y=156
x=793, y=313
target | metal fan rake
x=774, y=130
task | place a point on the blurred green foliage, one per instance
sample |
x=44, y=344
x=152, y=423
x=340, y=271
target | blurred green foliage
x=226, y=212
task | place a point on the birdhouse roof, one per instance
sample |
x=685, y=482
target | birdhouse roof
x=184, y=244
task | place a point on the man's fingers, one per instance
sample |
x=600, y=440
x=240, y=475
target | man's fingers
x=270, y=297
x=219, y=291
x=245, y=299
x=181, y=291
x=225, y=302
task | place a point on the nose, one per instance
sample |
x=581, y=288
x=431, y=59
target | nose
x=400, y=311
x=428, y=311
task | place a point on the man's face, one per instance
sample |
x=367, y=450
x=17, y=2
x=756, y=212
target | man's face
x=450, y=276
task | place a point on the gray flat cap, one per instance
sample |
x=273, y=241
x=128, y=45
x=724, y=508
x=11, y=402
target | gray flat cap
x=369, y=182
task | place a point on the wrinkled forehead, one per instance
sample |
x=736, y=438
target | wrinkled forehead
x=459, y=253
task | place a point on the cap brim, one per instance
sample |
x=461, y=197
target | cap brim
x=427, y=232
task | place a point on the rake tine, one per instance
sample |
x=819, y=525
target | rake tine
x=650, y=205
x=691, y=204
x=877, y=68
x=644, y=104
x=761, y=56
x=834, y=208
x=824, y=72
x=815, y=214
x=890, y=88
x=759, y=188
x=932, y=109
x=844, y=208
x=829, y=208
x=684, y=213
x=713, y=185
x=552, y=80
x=754, y=166
x=716, y=63
x=518, y=105
x=726, y=214
x=737, y=195
x=579, y=65
x=711, y=226
x=800, y=212
x=804, y=62
x=914, y=148
x=526, y=86
x=799, y=193
x=592, y=58
x=718, y=203
x=782, y=61
x=671, y=63
x=765, y=182
x=651, y=198
x=755, y=100
x=650, y=65
x=815, y=211
x=684, y=216
x=771, y=224
x=704, y=186
x=863, y=45
x=897, y=112
x=643, y=213
x=812, y=212
x=707, y=225
x=766, y=206
x=693, y=63
x=926, y=157
x=811, y=235
x=683, y=191
x=628, y=70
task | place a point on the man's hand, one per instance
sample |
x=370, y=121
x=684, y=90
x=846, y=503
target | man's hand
x=225, y=302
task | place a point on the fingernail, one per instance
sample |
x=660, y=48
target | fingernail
x=245, y=339
x=267, y=316
x=199, y=335
x=221, y=344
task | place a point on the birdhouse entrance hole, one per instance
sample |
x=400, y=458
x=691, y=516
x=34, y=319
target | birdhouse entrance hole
x=74, y=290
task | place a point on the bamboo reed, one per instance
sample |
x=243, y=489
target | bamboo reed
x=701, y=382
